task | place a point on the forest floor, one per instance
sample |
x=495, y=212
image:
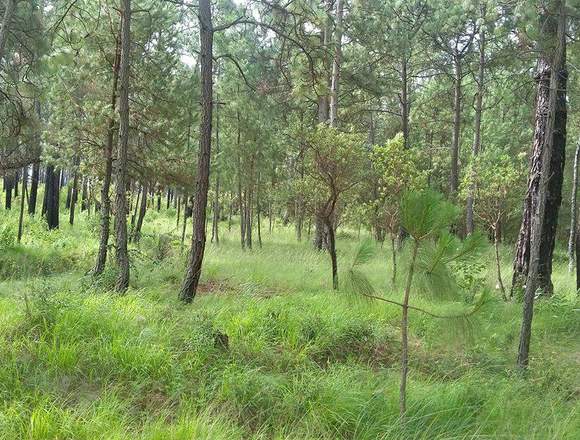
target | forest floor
x=299, y=361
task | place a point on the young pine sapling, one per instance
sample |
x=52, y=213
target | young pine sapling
x=426, y=217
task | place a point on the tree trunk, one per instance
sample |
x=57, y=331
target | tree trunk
x=336, y=63
x=8, y=183
x=108, y=158
x=22, y=198
x=496, y=242
x=9, y=8
x=141, y=216
x=557, y=143
x=454, y=176
x=551, y=66
x=332, y=252
x=216, y=202
x=122, y=254
x=573, y=211
x=33, y=188
x=52, y=197
x=404, y=334
x=73, y=198
x=394, y=257
x=477, y=123
x=193, y=273
x=178, y=206
x=85, y=195
x=404, y=100
x=136, y=209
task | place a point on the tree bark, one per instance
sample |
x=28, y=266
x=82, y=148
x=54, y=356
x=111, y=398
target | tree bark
x=122, y=254
x=336, y=63
x=141, y=216
x=108, y=157
x=22, y=198
x=73, y=198
x=33, y=188
x=454, y=176
x=52, y=197
x=477, y=122
x=573, y=211
x=216, y=202
x=193, y=274
x=332, y=252
x=9, y=8
x=404, y=334
x=551, y=66
x=557, y=143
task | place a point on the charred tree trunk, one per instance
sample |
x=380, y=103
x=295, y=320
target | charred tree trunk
x=33, y=188
x=556, y=143
x=548, y=132
x=8, y=184
x=52, y=189
x=193, y=274
x=122, y=254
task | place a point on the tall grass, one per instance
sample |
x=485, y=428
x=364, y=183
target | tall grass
x=301, y=361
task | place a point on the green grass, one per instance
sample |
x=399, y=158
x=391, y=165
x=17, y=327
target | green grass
x=78, y=361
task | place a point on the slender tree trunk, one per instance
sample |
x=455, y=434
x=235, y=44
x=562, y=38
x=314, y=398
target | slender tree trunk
x=73, y=198
x=136, y=208
x=8, y=184
x=557, y=143
x=178, y=206
x=85, y=195
x=478, y=114
x=193, y=273
x=122, y=154
x=21, y=217
x=332, y=252
x=573, y=211
x=577, y=265
x=404, y=100
x=454, y=177
x=33, y=188
x=550, y=66
x=394, y=257
x=336, y=64
x=404, y=333
x=9, y=8
x=216, y=202
x=496, y=242
x=231, y=213
x=52, y=196
x=258, y=208
x=141, y=217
